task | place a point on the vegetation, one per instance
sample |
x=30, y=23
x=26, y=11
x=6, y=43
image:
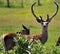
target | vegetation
x=11, y=20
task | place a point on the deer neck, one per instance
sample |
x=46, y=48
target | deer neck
x=44, y=35
x=45, y=31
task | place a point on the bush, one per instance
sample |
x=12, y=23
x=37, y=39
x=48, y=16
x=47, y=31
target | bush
x=26, y=47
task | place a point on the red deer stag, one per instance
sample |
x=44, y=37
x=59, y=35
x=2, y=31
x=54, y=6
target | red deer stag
x=44, y=36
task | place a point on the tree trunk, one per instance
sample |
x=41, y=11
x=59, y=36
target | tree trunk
x=8, y=3
x=38, y=2
x=22, y=4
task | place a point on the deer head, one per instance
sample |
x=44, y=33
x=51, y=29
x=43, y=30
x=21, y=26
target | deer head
x=25, y=31
x=40, y=20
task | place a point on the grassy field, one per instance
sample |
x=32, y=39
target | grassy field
x=11, y=20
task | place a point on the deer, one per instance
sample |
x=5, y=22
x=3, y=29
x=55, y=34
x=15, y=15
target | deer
x=24, y=31
x=58, y=42
x=44, y=35
x=9, y=39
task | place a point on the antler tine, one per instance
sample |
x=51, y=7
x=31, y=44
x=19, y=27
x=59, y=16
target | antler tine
x=37, y=18
x=47, y=17
x=57, y=7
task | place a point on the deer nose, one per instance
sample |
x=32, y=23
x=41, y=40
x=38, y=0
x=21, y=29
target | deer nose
x=44, y=25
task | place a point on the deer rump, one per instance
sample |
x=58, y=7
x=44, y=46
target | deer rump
x=9, y=42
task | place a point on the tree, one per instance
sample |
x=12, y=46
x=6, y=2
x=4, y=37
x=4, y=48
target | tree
x=8, y=3
x=22, y=4
x=38, y=2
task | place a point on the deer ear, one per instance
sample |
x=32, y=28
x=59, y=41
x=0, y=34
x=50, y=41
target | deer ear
x=24, y=27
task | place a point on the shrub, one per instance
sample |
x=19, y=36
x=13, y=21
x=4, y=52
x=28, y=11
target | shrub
x=26, y=47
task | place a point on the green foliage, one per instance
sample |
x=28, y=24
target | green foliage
x=1, y=2
x=1, y=48
x=58, y=1
x=21, y=46
x=34, y=47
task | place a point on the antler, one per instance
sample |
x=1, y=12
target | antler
x=57, y=7
x=39, y=19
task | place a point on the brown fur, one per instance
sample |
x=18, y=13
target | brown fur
x=58, y=42
x=35, y=36
x=8, y=40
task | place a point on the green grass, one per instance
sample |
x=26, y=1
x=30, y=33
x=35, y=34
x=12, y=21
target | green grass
x=11, y=20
